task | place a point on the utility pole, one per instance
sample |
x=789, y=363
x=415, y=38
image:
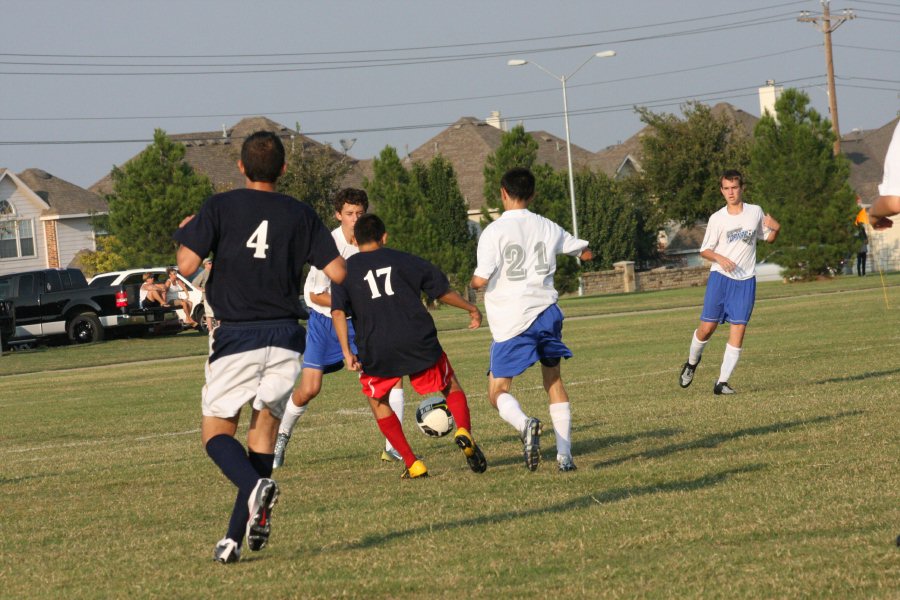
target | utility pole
x=826, y=24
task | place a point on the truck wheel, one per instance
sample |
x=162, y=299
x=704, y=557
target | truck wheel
x=83, y=328
x=200, y=317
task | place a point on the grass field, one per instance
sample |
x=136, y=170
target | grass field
x=791, y=488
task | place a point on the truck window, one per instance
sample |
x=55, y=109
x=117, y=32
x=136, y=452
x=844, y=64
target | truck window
x=26, y=285
x=135, y=278
x=5, y=288
x=51, y=281
x=65, y=280
x=104, y=281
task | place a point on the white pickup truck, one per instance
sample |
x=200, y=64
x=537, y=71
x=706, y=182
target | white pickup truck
x=195, y=296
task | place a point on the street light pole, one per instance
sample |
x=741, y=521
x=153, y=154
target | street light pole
x=562, y=79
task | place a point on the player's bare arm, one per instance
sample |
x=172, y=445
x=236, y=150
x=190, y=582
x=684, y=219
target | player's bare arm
x=881, y=209
x=187, y=260
x=477, y=282
x=773, y=226
x=454, y=299
x=726, y=263
x=336, y=270
x=339, y=320
x=323, y=299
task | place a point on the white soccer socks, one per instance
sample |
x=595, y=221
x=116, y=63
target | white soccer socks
x=729, y=362
x=511, y=412
x=696, y=349
x=292, y=412
x=561, y=415
x=396, y=400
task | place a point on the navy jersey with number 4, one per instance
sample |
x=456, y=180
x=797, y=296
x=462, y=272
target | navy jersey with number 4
x=383, y=293
x=260, y=240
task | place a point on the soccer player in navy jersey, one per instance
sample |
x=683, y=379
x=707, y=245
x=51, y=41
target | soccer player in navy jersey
x=516, y=264
x=396, y=336
x=261, y=240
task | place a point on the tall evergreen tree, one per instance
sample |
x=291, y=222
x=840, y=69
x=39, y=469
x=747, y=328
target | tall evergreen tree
x=684, y=158
x=795, y=176
x=313, y=175
x=517, y=149
x=151, y=195
x=395, y=198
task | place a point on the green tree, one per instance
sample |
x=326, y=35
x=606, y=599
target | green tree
x=314, y=174
x=394, y=197
x=517, y=149
x=607, y=219
x=151, y=195
x=684, y=158
x=796, y=177
x=442, y=217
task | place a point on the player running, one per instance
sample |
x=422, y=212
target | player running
x=516, y=263
x=261, y=240
x=730, y=245
x=396, y=336
x=323, y=353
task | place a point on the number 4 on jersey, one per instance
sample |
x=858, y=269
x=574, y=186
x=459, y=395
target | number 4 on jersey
x=257, y=241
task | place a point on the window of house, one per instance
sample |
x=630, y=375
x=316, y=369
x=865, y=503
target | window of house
x=16, y=236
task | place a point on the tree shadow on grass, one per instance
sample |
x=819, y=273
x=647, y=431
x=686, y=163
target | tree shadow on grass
x=586, y=446
x=578, y=503
x=715, y=439
x=859, y=377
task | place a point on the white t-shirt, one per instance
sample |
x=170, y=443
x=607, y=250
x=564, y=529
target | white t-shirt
x=734, y=237
x=517, y=255
x=890, y=184
x=318, y=282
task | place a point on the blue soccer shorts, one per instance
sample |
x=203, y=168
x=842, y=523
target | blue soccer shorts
x=728, y=299
x=541, y=341
x=323, y=351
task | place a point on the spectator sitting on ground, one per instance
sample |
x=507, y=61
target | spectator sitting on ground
x=152, y=292
x=176, y=295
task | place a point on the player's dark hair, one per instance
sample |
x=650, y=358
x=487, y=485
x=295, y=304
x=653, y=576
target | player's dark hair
x=732, y=175
x=518, y=183
x=369, y=228
x=263, y=157
x=353, y=196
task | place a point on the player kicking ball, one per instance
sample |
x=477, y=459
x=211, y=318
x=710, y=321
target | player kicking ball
x=730, y=245
x=516, y=263
x=323, y=353
x=396, y=336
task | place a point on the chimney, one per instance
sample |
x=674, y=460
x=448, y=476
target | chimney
x=768, y=95
x=495, y=121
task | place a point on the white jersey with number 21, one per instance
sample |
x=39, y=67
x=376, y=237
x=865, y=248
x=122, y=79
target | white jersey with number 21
x=517, y=255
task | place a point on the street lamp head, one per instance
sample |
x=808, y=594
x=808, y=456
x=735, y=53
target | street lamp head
x=516, y=62
x=605, y=54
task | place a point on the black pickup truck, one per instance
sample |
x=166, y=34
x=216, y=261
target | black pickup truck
x=58, y=302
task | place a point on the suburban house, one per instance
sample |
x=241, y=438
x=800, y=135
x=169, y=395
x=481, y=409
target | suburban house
x=45, y=221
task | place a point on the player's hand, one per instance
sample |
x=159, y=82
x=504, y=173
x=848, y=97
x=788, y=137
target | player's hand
x=475, y=319
x=880, y=223
x=770, y=223
x=726, y=263
x=352, y=362
x=586, y=254
x=185, y=221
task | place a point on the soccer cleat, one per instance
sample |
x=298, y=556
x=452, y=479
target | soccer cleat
x=416, y=470
x=391, y=455
x=565, y=464
x=262, y=500
x=474, y=455
x=687, y=373
x=281, y=443
x=531, y=443
x=723, y=389
x=227, y=551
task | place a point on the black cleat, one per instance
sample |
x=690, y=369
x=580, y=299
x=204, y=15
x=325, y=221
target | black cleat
x=723, y=389
x=262, y=500
x=687, y=374
x=531, y=443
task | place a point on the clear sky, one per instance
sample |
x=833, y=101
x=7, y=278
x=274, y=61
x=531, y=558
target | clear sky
x=396, y=72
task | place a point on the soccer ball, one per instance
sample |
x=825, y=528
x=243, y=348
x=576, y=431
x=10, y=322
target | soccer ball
x=433, y=417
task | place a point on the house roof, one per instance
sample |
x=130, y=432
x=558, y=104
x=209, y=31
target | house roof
x=866, y=151
x=64, y=198
x=687, y=239
x=215, y=153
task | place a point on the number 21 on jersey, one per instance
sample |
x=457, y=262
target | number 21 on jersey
x=514, y=255
x=257, y=240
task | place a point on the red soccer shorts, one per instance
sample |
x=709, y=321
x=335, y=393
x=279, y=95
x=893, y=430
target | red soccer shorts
x=433, y=379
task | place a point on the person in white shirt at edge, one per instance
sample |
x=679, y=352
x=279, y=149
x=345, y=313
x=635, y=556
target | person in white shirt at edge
x=516, y=262
x=323, y=351
x=888, y=202
x=730, y=245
